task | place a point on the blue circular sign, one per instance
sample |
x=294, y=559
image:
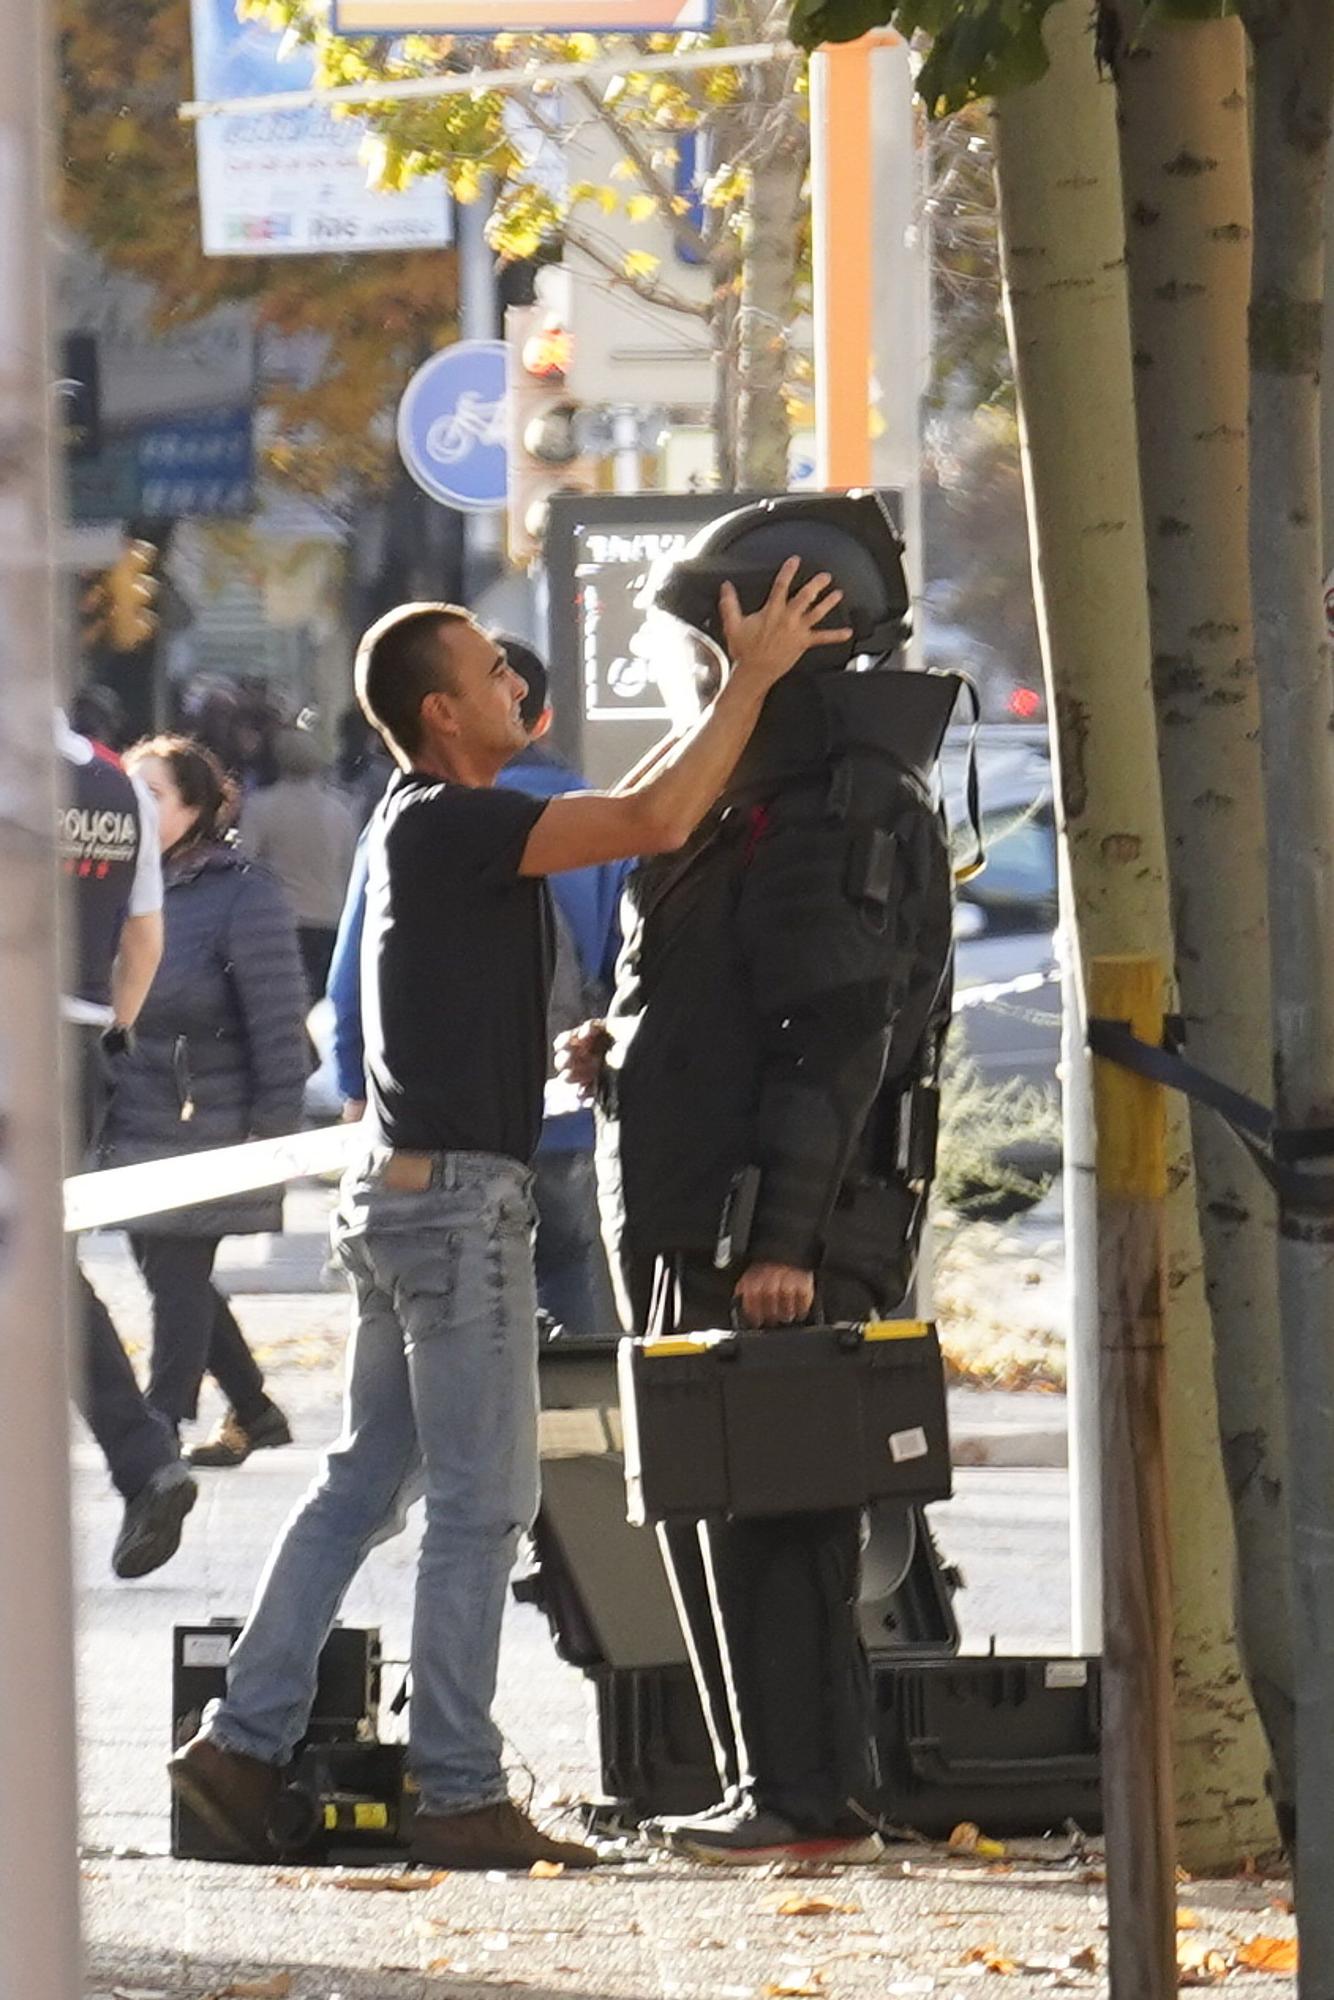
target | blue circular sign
x=451, y=426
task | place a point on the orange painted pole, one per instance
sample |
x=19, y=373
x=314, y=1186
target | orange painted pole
x=843, y=247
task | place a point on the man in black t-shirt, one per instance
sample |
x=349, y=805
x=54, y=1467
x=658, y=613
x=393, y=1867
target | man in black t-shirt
x=435, y=1217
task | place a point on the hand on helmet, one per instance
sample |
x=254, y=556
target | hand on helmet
x=766, y=644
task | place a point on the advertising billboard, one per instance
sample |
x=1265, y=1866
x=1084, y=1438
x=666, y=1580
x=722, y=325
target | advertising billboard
x=289, y=183
x=521, y=17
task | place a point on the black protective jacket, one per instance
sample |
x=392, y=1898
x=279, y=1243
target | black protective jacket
x=782, y=996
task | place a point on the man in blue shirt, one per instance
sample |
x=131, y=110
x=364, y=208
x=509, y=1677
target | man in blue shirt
x=573, y=1287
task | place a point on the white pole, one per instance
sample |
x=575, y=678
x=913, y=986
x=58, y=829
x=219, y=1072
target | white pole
x=468, y=83
x=1080, y=1190
x=40, y=1956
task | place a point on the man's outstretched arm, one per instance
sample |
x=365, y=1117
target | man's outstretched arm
x=661, y=811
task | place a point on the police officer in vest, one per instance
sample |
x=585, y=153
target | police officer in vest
x=108, y=846
x=766, y=1077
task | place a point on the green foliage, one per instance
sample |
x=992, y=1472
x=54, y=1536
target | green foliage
x=979, y=48
x=996, y=1141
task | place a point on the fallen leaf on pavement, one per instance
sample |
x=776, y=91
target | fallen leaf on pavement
x=1198, y=1963
x=546, y=1871
x=394, y=1885
x=1268, y=1954
x=969, y=1839
x=992, y=1959
x=1085, y=1960
x=1283, y=1904
x=804, y=1983
x=784, y=1904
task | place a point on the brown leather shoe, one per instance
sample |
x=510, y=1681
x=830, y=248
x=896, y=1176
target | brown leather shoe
x=498, y=1836
x=230, y=1442
x=231, y=1793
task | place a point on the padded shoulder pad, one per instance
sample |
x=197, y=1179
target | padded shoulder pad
x=825, y=905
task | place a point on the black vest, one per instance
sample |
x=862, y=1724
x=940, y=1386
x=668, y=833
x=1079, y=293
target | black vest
x=98, y=833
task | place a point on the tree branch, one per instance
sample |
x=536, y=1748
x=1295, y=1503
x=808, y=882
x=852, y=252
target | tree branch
x=647, y=289
x=687, y=236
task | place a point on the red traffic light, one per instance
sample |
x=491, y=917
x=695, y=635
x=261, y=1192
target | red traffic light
x=546, y=354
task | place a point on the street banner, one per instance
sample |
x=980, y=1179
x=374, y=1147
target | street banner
x=521, y=17
x=289, y=183
x=196, y=467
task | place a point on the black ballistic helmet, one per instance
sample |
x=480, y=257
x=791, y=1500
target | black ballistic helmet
x=848, y=534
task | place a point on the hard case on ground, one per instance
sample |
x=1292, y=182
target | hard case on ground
x=1011, y=1744
x=345, y=1796
x=784, y=1420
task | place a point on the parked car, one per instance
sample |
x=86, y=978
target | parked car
x=1006, y=916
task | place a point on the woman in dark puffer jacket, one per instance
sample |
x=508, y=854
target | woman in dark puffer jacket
x=219, y=1056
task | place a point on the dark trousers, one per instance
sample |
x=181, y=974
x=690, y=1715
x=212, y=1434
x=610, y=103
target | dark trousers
x=769, y=1609
x=134, y=1440
x=316, y=946
x=194, y=1330
x=572, y=1280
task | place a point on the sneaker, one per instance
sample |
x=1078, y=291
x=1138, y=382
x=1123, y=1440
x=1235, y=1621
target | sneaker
x=150, y=1532
x=232, y=1794
x=230, y=1442
x=498, y=1836
x=748, y=1836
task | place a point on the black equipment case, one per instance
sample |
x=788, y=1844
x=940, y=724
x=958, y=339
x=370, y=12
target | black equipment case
x=346, y=1797
x=784, y=1420
x=1012, y=1745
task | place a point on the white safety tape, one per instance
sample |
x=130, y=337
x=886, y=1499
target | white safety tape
x=85, y=1013
x=987, y=996
x=122, y=1194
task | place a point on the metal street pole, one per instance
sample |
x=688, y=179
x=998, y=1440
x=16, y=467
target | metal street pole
x=40, y=1955
x=479, y=319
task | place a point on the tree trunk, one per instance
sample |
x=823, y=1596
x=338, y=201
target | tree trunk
x=768, y=308
x=1066, y=305
x=1185, y=169
x=724, y=325
x=1293, y=80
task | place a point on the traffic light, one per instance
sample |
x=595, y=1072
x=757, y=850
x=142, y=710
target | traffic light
x=544, y=425
x=129, y=589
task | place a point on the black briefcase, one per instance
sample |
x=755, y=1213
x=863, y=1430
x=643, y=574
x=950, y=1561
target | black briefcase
x=783, y=1420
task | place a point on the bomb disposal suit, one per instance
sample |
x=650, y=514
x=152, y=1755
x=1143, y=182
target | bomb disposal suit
x=770, y=1097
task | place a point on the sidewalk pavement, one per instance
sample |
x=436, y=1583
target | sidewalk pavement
x=922, y=1923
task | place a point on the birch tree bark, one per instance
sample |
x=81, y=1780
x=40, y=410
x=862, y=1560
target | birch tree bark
x=1293, y=82
x=1066, y=305
x=1185, y=171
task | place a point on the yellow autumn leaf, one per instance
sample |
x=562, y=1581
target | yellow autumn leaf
x=607, y=200
x=641, y=264
x=1268, y=1954
x=546, y=1871
x=641, y=206
x=625, y=170
x=1188, y=1920
x=785, y=1904
x=394, y=1885
x=803, y=1983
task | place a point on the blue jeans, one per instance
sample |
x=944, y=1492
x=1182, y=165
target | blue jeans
x=572, y=1280
x=441, y=1399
